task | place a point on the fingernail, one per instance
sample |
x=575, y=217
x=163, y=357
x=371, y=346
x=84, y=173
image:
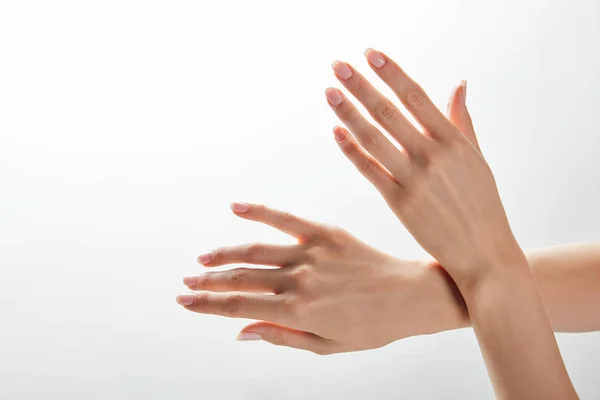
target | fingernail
x=248, y=336
x=341, y=69
x=240, y=207
x=205, y=258
x=190, y=280
x=333, y=96
x=339, y=133
x=463, y=83
x=185, y=299
x=375, y=58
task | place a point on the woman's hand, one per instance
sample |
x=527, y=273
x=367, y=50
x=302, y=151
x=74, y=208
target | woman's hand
x=439, y=185
x=329, y=293
x=443, y=191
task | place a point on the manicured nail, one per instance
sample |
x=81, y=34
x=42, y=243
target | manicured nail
x=463, y=83
x=341, y=69
x=333, y=96
x=205, y=258
x=248, y=336
x=240, y=207
x=339, y=133
x=185, y=299
x=190, y=280
x=375, y=58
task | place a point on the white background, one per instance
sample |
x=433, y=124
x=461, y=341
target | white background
x=127, y=127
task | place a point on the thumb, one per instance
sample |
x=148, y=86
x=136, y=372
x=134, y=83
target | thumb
x=283, y=336
x=459, y=114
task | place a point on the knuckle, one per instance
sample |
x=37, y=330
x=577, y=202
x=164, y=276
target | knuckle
x=370, y=141
x=359, y=85
x=234, y=305
x=204, y=279
x=201, y=299
x=254, y=250
x=218, y=255
x=237, y=278
x=369, y=167
x=286, y=218
x=277, y=338
x=351, y=149
x=339, y=240
x=301, y=274
x=415, y=97
x=386, y=111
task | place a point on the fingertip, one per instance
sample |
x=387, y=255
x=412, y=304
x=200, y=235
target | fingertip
x=240, y=208
x=205, y=259
x=190, y=281
x=248, y=336
x=340, y=134
x=185, y=299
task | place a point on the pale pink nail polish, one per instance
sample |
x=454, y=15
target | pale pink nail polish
x=339, y=133
x=341, y=69
x=190, y=280
x=463, y=83
x=375, y=58
x=205, y=258
x=249, y=336
x=333, y=96
x=186, y=299
x=240, y=207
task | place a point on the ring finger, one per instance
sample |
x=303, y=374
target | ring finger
x=239, y=280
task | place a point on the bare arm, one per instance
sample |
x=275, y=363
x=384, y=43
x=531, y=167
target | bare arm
x=569, y=280
x=444, y=193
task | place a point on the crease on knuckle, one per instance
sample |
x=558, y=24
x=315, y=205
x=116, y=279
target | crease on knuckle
x=369, y=167
x=386, y=111
x=286, y=218
x=277, y=338
x=237, y=278
x=253, y=251
x=370, y=141
x=415, y=97
x=217, y=254
x=201, y=300
x=203, y=279
x=234, y=305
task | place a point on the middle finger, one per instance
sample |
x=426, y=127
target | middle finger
x=382, y=109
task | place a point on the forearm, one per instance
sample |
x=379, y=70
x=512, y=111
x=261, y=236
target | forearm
x=515, y=335
x=513, y=329
x=568, y=279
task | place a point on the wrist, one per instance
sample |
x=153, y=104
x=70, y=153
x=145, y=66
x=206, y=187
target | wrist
x=498, y=265
x=442, y=304
x=496, y=276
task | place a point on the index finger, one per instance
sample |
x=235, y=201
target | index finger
x=412, y=96
x=300, y=228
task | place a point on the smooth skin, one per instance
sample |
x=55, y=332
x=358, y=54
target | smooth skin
x=442, y=190
x=325, y=288
x=424, y=299
x=322, y=293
